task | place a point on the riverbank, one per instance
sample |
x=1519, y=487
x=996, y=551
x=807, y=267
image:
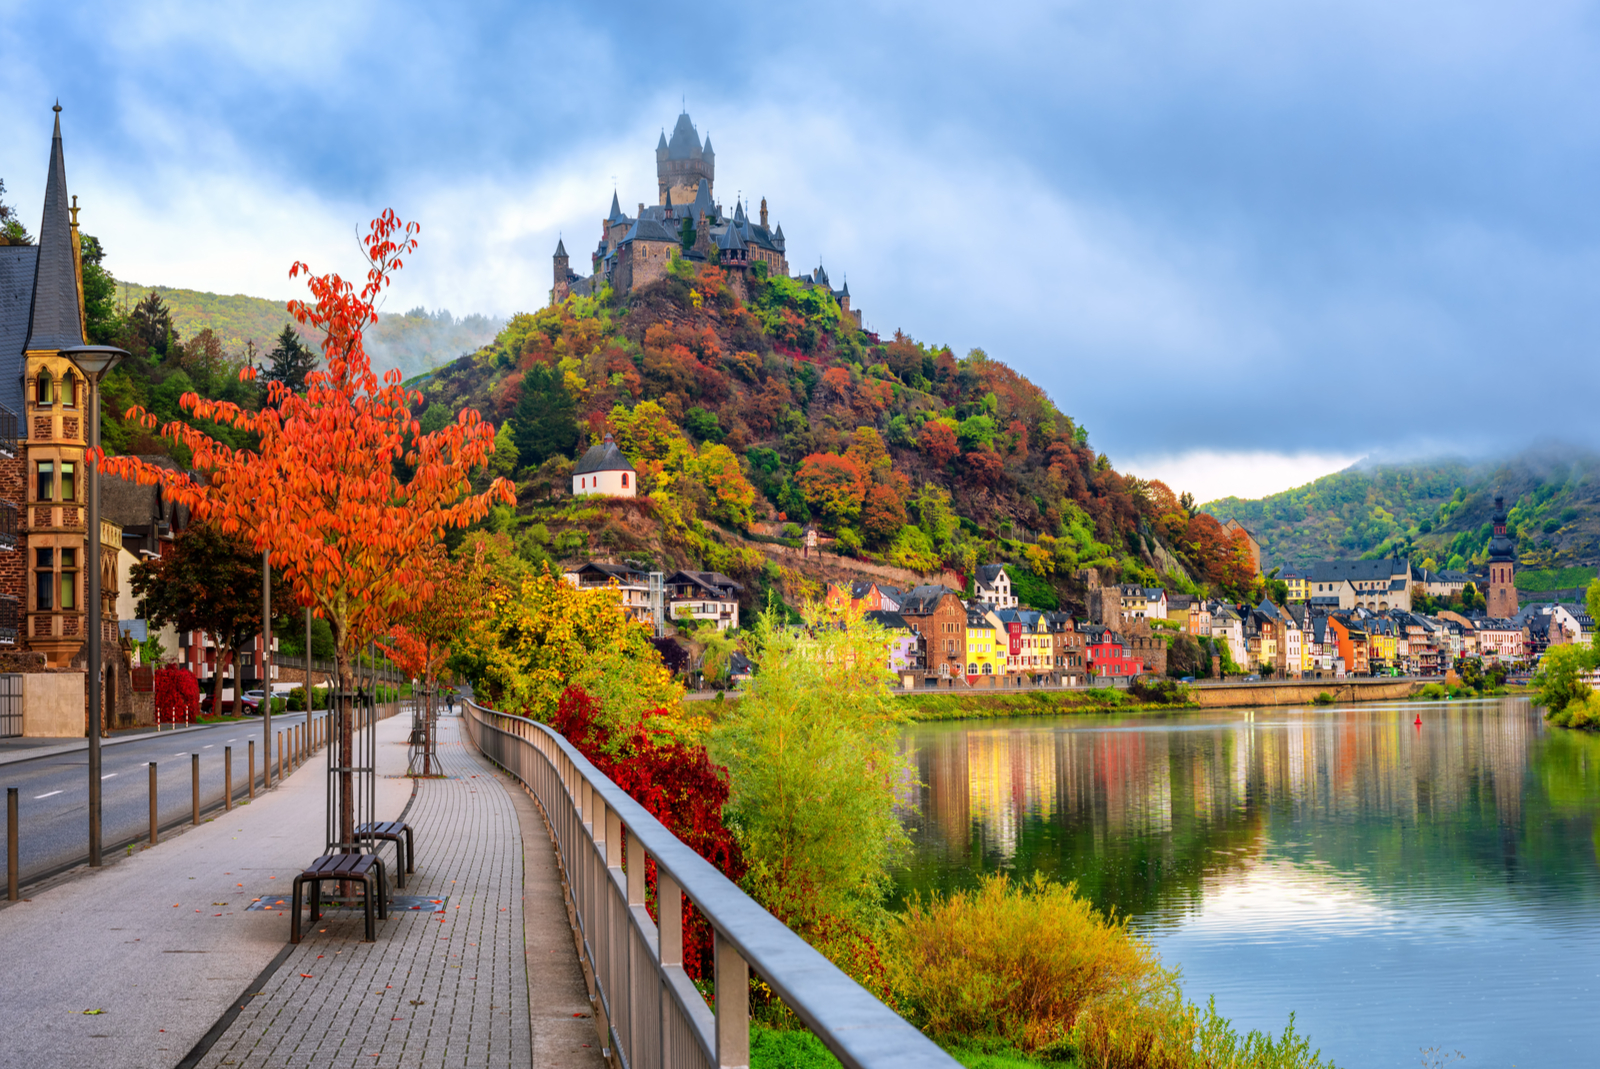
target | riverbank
x=991, y=705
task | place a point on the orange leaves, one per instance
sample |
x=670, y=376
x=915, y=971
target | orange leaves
x=320, y=492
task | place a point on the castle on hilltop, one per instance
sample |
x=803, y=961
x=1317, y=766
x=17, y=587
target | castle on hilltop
x=685, y=221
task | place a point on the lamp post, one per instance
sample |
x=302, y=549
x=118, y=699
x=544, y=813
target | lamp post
x=93, y=361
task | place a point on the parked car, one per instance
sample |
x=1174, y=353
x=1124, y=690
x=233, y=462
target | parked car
x=1252, y=678
x=252, y=702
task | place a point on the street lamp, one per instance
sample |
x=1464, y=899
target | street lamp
x=93, y=361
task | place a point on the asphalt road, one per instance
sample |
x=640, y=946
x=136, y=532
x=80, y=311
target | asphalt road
x=53, y=792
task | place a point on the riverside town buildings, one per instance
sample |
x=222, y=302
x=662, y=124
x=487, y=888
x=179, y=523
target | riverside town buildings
x=686, y=220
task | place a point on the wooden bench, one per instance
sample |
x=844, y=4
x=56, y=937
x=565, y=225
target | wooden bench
x=393, y=831
x=366, y=868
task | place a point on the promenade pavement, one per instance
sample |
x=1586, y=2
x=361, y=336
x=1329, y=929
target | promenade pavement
x=162, y=945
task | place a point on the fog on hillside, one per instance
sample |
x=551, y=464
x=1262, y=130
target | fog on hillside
x=421, y=341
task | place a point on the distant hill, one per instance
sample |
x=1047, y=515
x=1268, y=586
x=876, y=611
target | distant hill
x=1434, y=511
x=415, y=342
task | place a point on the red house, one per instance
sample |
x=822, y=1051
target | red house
x=1110, y=658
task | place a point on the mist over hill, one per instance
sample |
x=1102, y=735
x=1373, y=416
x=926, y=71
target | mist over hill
x=416, y=341
x=1435, y=510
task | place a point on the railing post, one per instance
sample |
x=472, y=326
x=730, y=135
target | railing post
x=669, y=934
x=733, y=1006
x=13, y=835
x=194, y=777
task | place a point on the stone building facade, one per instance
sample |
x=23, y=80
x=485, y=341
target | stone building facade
x=938, y=615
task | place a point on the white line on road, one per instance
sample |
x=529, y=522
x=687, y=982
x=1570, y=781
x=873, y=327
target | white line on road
x=208, y=746
x=181, y=754
x=113, y=775
x=52, y=794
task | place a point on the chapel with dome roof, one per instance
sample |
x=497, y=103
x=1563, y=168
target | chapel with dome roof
x=686, y=221
x=1502, y=600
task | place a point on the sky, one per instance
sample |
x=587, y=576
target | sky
x=1244, y=242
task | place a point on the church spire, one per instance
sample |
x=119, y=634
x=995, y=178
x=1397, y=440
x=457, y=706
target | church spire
x=54, y=322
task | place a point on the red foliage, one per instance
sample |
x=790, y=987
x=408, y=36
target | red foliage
x=177, y=696
x=938, y=440
x=986, y=468
x=676, y=784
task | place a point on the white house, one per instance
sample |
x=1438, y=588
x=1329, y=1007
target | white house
x=604, y=470
x=994, y=587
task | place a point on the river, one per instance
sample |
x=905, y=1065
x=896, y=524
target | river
x=1396, y=887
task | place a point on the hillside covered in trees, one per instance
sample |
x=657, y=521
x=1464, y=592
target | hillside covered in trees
x=1436, y=513
x=753, y=406
x=415, y=342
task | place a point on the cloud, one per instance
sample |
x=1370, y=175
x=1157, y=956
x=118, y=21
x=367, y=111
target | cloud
x=1325, y=229
x=1211, y=474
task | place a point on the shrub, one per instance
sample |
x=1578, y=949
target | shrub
x=1022, y=962
x=1324, y=698
x=177, y=695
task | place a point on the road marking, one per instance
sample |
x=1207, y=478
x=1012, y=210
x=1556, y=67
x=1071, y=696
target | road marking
x=109, y=775
x=208, y=746
x=52, y=794
x=180, y=753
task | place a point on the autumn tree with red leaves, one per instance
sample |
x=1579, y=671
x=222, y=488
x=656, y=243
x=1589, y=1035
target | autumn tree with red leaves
x=319, y=491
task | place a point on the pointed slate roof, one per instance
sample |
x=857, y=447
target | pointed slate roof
x=18, y=264
x=561, y=247
x=54, y=322
x=661, y=146
x=730, y=238
x=702, y=200
x=616, y=215
x=685, y=143
x=603, y=457
x=706, y=152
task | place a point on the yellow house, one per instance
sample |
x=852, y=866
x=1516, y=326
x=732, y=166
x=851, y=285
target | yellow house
x=986, y=650
x=1294, y=577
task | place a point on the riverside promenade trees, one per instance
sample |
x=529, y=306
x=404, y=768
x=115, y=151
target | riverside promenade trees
x=319, y=490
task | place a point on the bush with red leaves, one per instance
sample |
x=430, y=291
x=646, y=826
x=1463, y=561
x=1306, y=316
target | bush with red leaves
x=177, y=696
x=677, y=784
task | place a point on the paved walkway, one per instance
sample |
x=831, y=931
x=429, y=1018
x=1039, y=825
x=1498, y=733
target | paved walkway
x=450, y=989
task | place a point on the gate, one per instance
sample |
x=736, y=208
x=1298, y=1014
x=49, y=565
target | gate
x=10, y=705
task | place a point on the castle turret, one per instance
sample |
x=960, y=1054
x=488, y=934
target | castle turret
x=561, y=288
x=682, y=162
x=1502, y=601
x=763, y=213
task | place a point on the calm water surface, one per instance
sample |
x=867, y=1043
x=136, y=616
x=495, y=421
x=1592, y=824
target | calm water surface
x=1395, y=887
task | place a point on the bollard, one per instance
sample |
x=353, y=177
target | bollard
x=194, y=770
x=153, y=833
x=12, y=834
x=279, y=777
x=252, y=769
x=227, y=778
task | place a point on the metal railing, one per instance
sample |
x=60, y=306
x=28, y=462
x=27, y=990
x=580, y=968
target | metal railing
x=654, y=1016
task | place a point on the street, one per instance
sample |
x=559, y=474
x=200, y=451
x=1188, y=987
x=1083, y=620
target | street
x=53, y=791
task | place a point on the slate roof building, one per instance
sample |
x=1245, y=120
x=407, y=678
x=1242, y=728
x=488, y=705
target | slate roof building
x=605, y=471
x=42, y=481
x=634, y=251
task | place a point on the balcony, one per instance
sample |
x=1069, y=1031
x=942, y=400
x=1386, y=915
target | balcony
x=8, y=525
x=10, y=620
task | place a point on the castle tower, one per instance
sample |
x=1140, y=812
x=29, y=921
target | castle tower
x=561, y=288
x=763, y=213
x=682, y=162
x=1502, y=566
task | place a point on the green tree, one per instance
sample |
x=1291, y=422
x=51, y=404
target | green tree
x=151, y=321
x=1559, y=681
x=503, y=461
x=543, y=423
x=99, y=292
x=211, y=583
x=292, y=360
x=12, y=232
x=813, y=757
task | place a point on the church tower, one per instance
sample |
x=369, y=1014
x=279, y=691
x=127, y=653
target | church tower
x=1502, y=567
x=561, y=288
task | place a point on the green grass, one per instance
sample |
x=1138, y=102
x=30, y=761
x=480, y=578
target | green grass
x=1534, y=580
x=772, y=1048
x=980, y=705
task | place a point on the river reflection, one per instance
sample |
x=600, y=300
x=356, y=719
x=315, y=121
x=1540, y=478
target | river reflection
x=1397, y=887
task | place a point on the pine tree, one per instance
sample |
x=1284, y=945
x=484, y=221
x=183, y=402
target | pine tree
x=543, y=424
x=292, y=360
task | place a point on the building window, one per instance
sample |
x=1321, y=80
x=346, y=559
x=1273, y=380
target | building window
x=45, y=579
x=624, y=480
x=43, y=396
x=69, y=578
x=69, y=483
x=69, y=391
x=46, y=486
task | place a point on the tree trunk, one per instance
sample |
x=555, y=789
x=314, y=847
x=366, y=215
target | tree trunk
x=216, y=676
x=346, y=744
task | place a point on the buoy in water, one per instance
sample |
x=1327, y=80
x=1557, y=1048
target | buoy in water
x=1419, y=720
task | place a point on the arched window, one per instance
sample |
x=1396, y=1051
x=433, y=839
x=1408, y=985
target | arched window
x=44, y=397
x=69, y=391
x=988, y=669
x=972, y=669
